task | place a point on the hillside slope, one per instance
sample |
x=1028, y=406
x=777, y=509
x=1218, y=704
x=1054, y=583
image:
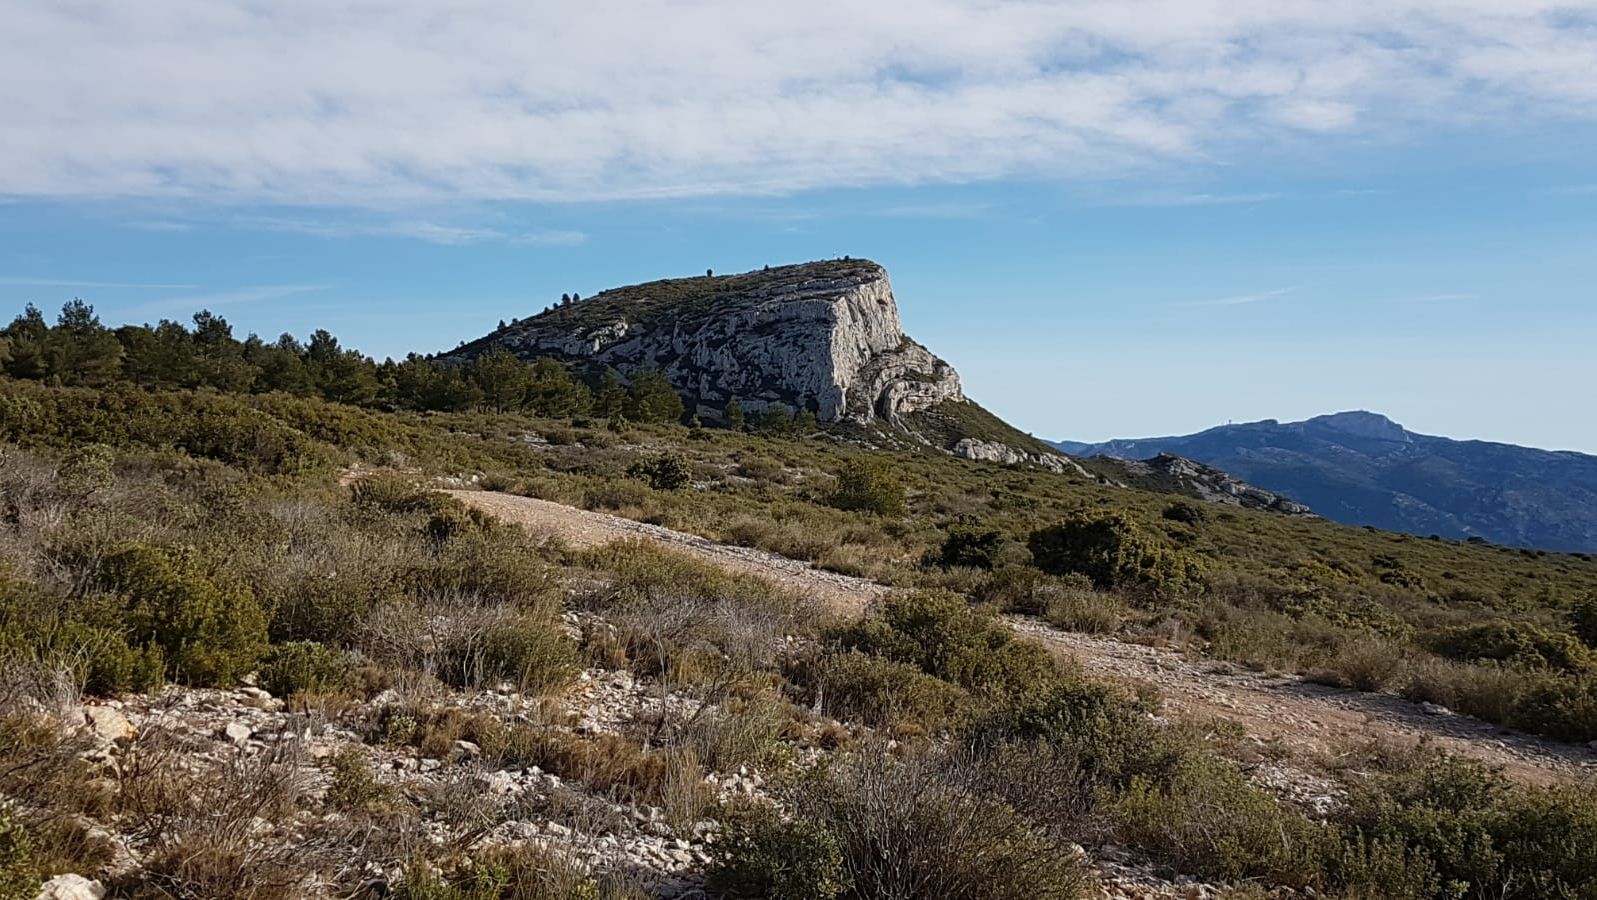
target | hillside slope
x=1361, y=468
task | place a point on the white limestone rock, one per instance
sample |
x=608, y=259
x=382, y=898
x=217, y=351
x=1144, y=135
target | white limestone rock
x=823, y=336
x=71, y=887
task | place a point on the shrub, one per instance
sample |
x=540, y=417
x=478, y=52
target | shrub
x=17, y=875
x=87, y=469
x=1114, y=552
x=1515, y=644
x=942, y=635
x=973, y=547
x=210, y=633
x=1206, y=819
x=1105, y=729
x=1185, y=513
x=868, y=485
x=534, y=655
x=1366, y=664
x=909, y=828
x=302, y=667
x=1089, y=612
x=1583, y=620
x=761, y=856
x=389, y=493
x=353, y=787
x=666, y=472
x=876, y=691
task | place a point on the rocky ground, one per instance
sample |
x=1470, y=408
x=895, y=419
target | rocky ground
x=248, y=732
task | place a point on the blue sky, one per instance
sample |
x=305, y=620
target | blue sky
x=1115, y=220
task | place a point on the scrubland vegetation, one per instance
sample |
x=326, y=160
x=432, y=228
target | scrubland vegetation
x=158, y=533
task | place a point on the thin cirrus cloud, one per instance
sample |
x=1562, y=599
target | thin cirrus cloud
x=412, y=229
x=1244, y=299
x=229, y=298
x=1437, y=298
x=27, y=281
x=325, y=103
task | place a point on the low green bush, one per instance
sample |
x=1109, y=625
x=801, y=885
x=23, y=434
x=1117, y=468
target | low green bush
x=878, y=692
x=18, y=877
x=1205, y=818
x=1517, y=644
x=868, y=485
x=1583, y=620
x=911, y=828
x=942, y=635
x=534, y=655
x=972, y=547
x=762, y=857
x=210, y=632
x=1114, y=552
x=665, y=472
x=302, y=667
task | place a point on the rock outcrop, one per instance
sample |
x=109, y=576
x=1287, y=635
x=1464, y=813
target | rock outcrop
x=822, y=336
x=819, y=336
x=1214, y=486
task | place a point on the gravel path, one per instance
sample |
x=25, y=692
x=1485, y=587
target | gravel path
x=1303, y=715
x=582, y=528
x=1312, y=717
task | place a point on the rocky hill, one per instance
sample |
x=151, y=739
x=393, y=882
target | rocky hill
x=823, y=336
x=1178, y=475
x=1364, y=469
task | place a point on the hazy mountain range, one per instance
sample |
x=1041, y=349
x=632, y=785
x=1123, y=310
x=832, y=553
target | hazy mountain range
x=1362, y=468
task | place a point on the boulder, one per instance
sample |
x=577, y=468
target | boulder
x=107, y=724
x=71, y=887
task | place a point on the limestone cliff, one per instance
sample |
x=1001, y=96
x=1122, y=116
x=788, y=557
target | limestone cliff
x=823, y=336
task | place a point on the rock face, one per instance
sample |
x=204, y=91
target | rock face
x=822, y=336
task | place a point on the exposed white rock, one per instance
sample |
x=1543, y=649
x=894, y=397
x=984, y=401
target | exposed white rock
x=71, y=887
x=107, y=724
x=823, y=336
x=992, y=451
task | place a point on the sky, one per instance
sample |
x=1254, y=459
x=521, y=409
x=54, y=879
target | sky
x=1116, y=218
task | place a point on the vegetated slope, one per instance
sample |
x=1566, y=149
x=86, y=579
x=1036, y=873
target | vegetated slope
x=1363, y=469
x=822, y=338
x=465, y=704
x=1308, y=716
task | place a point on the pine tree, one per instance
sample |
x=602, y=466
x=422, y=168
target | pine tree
x=610, y=400
x=651, y=398
x=29, y=337
x=734, y=415
x=81, y=350
x=502, y=378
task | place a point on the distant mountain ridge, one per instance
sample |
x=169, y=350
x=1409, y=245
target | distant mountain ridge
x=1362, y=468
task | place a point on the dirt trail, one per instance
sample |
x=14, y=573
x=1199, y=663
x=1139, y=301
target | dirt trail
x=582, y=528
x=1304, y=716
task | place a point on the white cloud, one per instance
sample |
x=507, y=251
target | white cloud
x=402, y=101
